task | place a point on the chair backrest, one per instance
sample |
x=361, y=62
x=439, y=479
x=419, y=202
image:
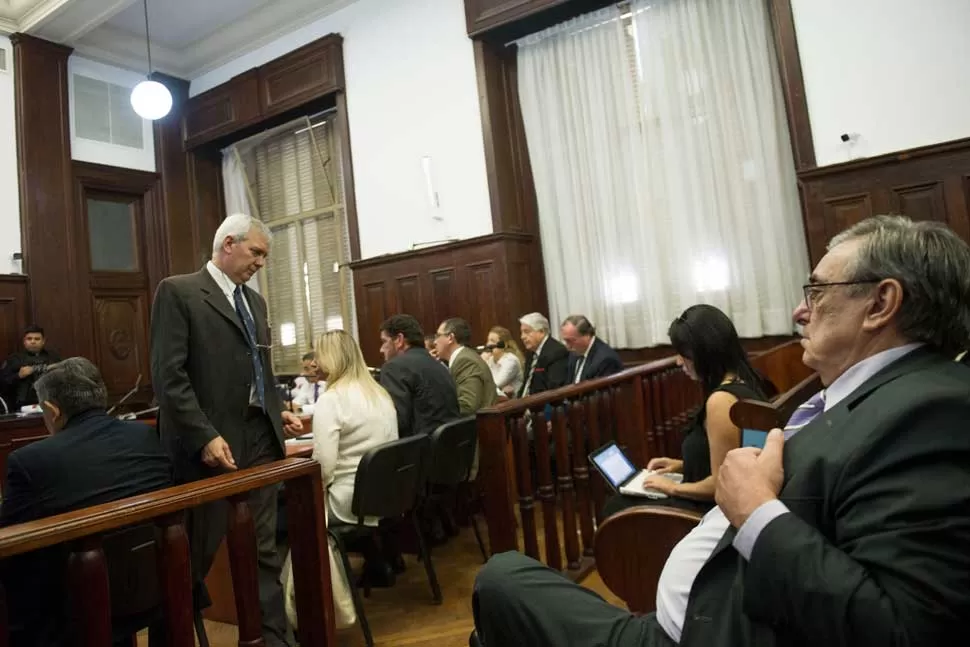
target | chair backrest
x=132, y=558
x=453, y=446
x=390, y=477
x=632, y=546
x=754, y=415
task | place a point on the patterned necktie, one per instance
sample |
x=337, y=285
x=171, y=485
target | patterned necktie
x=316, y=391
x=579, y=370
x=805, y=413
x=250, y=327
x=532, y=371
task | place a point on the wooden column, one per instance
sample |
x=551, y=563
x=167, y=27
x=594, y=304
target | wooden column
x=175, y=580
x=243, y=562
x=496, y=489
x=305, y=503
x=87, y=575
x=46, y=186
x=171, y=161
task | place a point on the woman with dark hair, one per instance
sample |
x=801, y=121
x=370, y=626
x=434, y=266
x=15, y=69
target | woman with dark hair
x=709, y=352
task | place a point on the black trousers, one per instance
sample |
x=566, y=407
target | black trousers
x=207, y=527
x=519, y=601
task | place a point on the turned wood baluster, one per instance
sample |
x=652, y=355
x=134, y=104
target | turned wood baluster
x=305, y=503
x=546, y=491
x=498, y=497
x=527, y=504
x=581, y=476
x=87, y=575
x=594, y=421
x=175, y=580
x=243, y=564
x=567, y=493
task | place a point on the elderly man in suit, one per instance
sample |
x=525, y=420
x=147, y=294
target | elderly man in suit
x=219, y=409
x=91, y=458
x=473, y=378
x=854, y=531
x=589, y=356
x=546, y=361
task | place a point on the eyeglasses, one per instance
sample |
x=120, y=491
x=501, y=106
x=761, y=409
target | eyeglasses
x=812, y=291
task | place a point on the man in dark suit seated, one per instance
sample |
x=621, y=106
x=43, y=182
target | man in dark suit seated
x=852, y=532
x=546, y=360
x=423, y=391
x=21, y=370
x=90, y=459
x=590, y=357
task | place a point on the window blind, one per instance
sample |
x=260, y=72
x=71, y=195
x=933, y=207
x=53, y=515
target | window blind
x=296, y=180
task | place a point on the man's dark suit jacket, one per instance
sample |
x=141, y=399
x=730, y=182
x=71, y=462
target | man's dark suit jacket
x=875, y=549
x=202, y=371
x=20, y=389
x=95, y=459
x=423, y=391
x=551, y=368
x=601, y=361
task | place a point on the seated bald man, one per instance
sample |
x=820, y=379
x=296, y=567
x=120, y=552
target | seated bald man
x=855, y=530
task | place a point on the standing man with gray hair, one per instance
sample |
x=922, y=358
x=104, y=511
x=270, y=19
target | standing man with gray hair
x=219, y=409
x=546, y=360
x=854, y=531
x=90, y=458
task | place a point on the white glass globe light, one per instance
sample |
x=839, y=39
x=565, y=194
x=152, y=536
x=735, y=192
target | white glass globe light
x=151, y=100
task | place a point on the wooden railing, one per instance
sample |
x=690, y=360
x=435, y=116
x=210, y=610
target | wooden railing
x=643, y=409
x=87, y=574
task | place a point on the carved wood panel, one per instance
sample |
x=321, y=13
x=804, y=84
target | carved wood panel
x=471, y=279
x=221, y=110
x=302, y=75
x=929, y=183
x=14, y=310
x=121, y=338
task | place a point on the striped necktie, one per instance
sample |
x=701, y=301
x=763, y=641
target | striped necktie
x=805, y=413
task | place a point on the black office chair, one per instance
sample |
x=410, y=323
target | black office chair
x=131, y=555
x=389, y=482
x=453, y=448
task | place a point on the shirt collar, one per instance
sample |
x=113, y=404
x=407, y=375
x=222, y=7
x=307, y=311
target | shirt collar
x=221, y=278
x=857, y=374
x=451, y=359
x=541, y=344
x=590, y=347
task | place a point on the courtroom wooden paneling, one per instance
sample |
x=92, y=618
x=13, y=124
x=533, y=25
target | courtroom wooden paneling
x=289, y=82
x=14, y=312
x=488, y=280
x=46, y=187
x=928, y=183
x=117, y=304
x=207, y=207
x=792, y=83
x=223, y=109
x=181, y=237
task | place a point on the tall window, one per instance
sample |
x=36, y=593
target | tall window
x=295, y=186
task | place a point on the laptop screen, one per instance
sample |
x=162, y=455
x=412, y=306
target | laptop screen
x=614, y=465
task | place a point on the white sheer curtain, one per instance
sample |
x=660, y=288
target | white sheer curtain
x=663, y=168
x=236, y=190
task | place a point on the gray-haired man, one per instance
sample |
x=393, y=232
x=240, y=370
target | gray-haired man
x=854, y=531
x=91, y=458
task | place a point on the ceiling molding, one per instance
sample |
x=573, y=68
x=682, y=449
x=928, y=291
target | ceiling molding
x=41, y=11
x=97, y=19
x=254, y=31
x=120, y=48
x=8, y=26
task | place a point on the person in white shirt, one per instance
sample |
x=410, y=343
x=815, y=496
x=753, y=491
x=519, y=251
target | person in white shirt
x=354, y=415
x=505, y=360
x=309, y=386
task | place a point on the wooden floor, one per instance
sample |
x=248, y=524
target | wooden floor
x=404, y=615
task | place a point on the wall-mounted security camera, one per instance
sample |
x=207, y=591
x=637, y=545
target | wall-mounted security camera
x=844, y=137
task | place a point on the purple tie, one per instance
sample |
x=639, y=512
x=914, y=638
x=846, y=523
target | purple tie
x=805, y=413
x=316, y=391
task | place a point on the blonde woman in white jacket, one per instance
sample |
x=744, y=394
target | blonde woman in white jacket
x=354, y=415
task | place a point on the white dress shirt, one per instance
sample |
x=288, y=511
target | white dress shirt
x=307, y=394
x=532, y=369
x=506, y=372
x=581, y=364
x=229, y=288
x=346, y=425
x=692, y=552
x=451, y=359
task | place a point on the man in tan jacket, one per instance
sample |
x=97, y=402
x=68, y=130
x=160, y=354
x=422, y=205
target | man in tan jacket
x=476, y=388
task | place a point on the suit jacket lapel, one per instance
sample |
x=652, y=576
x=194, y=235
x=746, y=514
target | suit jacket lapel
x=216, y=298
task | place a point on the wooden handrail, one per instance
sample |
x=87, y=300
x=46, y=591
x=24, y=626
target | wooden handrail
x=26, y=537
x=570, y=391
